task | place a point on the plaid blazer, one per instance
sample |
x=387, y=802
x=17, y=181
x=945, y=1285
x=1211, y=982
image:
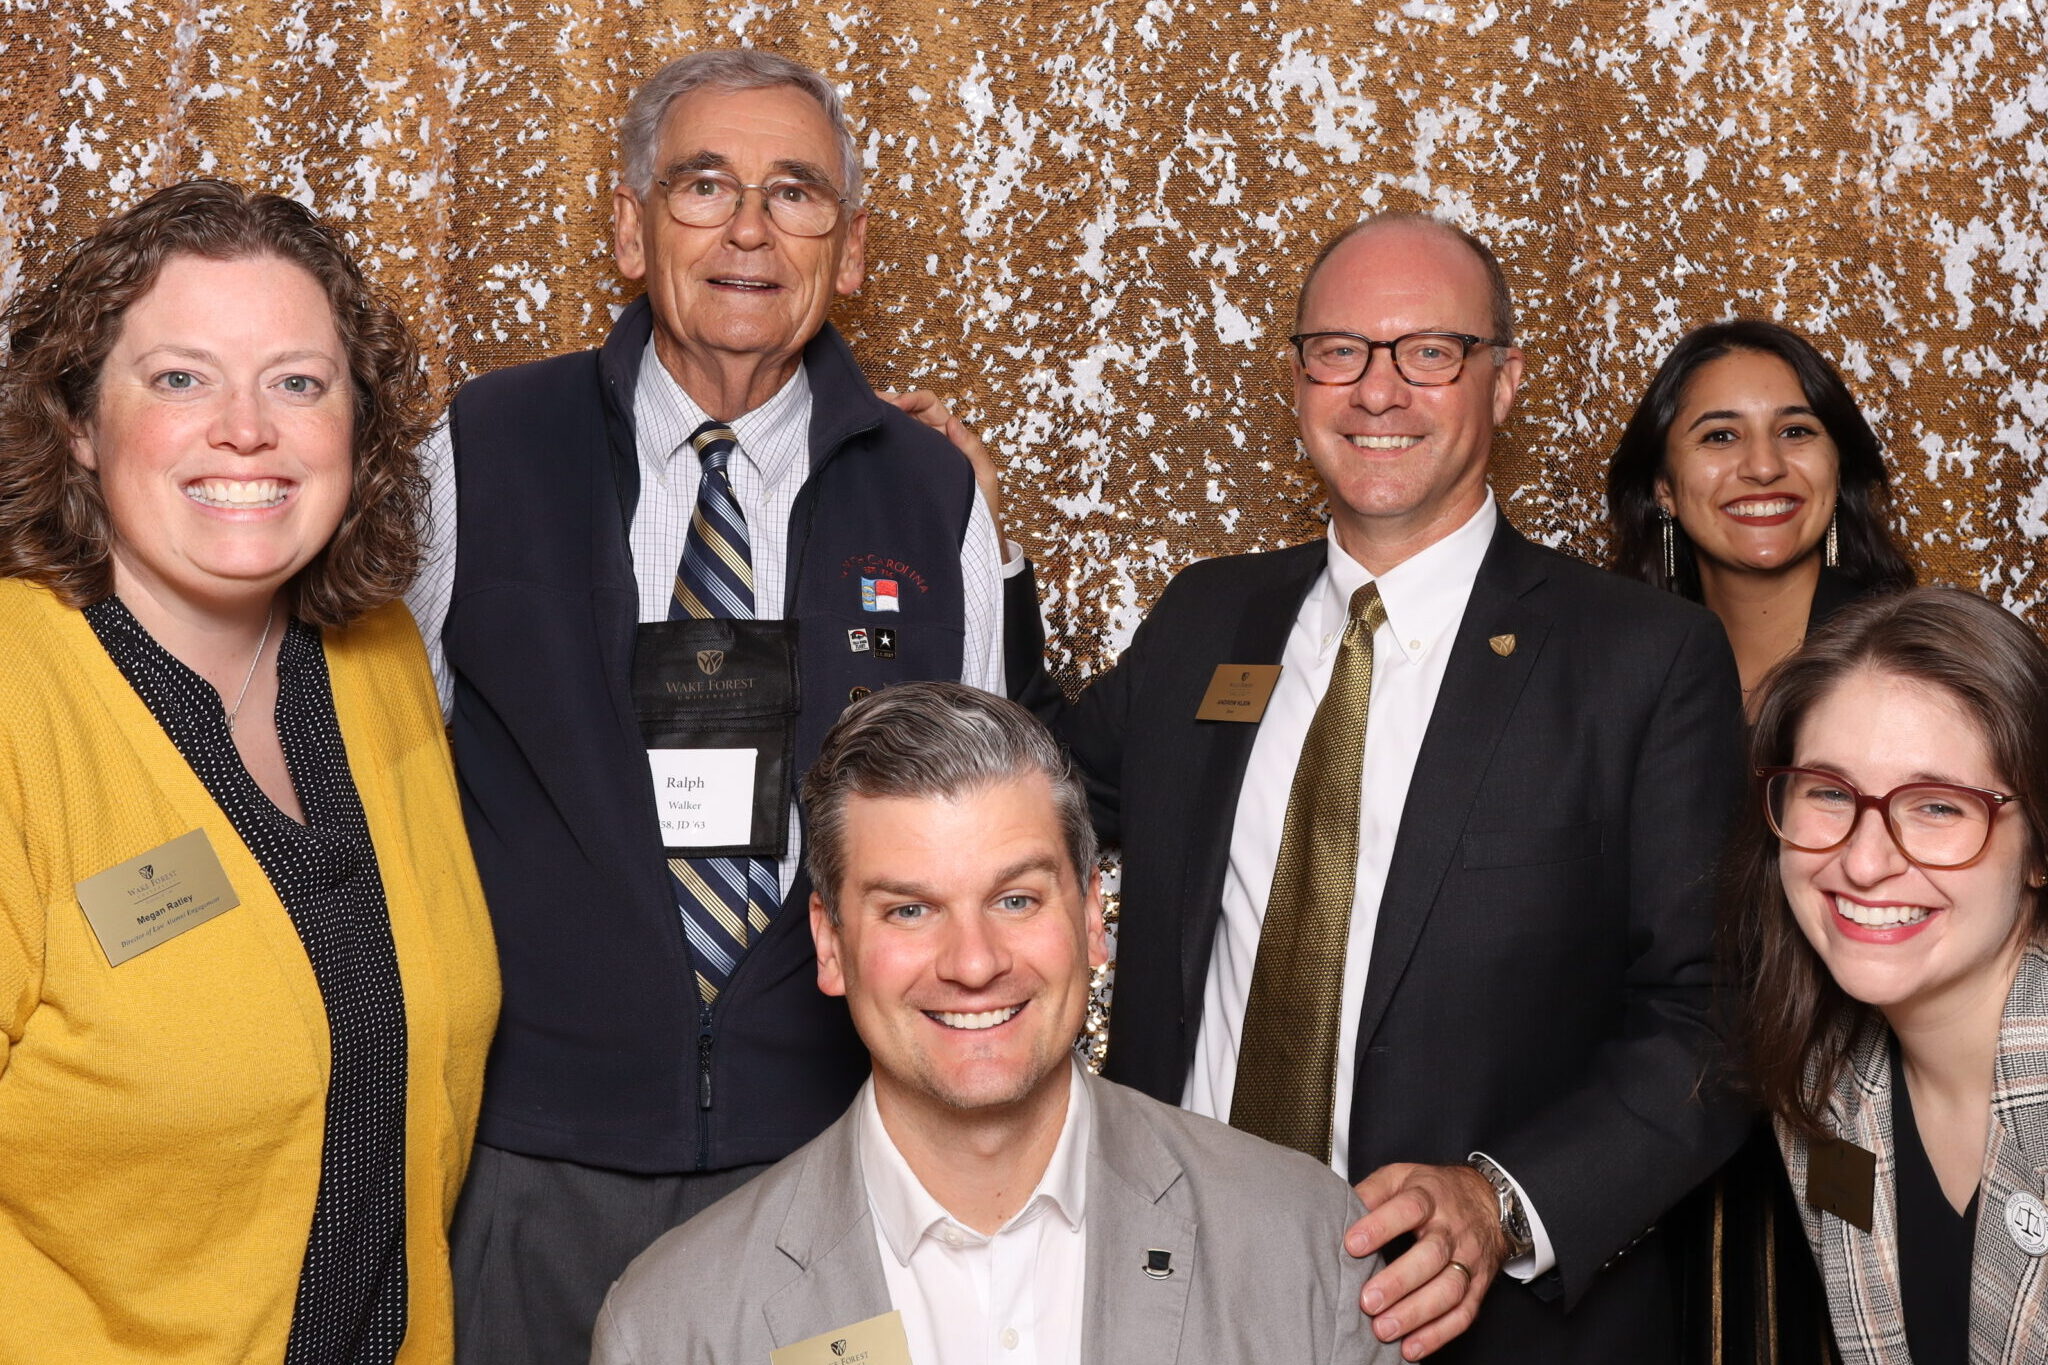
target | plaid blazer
x=2008, y=1287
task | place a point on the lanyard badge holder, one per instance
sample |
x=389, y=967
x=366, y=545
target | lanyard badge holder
x=716, y=701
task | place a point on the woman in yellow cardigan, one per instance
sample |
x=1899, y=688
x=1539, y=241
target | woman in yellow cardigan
x=246, y=979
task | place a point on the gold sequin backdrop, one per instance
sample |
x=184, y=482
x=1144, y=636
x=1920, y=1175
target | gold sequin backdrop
x=1089, y=218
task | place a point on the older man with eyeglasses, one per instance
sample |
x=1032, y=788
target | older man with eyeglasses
x=664, y=567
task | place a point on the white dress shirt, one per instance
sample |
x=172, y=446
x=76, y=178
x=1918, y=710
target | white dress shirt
x=772, y=463
x=1013, y=1297
x=1425, y=597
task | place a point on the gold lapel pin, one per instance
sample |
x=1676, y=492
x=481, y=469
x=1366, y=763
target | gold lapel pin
x=1503, y=645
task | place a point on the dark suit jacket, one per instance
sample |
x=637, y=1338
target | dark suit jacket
x=1541, y=972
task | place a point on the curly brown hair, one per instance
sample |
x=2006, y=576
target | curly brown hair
x=53, y=519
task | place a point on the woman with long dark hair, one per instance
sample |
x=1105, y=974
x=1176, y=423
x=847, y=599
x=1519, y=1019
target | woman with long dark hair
x=1748, y=479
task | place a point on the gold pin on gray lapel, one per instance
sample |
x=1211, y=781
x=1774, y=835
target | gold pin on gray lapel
x=1503, y=645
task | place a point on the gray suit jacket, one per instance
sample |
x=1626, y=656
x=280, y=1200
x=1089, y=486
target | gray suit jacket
x=1259, y=1271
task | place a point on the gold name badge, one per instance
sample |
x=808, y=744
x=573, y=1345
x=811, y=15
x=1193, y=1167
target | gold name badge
x=1239, y=692
x=136, y=905
x=878, y=1341
x=1841, y=1178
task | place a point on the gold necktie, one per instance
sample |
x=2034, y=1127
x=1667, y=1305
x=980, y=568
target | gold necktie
x=1287, y=1055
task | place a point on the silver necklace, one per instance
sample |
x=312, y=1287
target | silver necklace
x=243, y=695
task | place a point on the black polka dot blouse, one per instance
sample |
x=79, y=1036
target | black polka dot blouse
x=351, y=1303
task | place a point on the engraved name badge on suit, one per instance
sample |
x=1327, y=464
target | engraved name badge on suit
x=1841, y=1178
x=878, y=1341
x=1239, y=692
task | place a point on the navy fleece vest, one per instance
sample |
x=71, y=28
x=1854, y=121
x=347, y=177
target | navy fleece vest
x=603, y=1054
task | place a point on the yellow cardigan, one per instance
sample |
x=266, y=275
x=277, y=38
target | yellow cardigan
x=161, y=1121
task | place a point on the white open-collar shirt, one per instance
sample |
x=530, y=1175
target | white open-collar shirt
x=1011, y=1297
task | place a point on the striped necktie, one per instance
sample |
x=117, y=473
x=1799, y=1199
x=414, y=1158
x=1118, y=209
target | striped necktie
x=725, y=902
x=1287, y=1052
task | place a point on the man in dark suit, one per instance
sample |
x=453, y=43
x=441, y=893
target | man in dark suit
x=1466, y=957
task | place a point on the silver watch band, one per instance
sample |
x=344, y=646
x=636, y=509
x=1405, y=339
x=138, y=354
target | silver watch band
x=1514, y=1220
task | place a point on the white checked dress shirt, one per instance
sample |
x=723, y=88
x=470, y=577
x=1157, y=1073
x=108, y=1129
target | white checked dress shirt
x=1012, y=1297
x=1425, y=597
x=772, y=463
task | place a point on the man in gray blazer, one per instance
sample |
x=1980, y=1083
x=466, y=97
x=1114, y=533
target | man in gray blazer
x=983, y=1191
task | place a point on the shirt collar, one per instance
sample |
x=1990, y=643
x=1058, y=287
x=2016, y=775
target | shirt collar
x=663, y=395
x=907, y=1213
x=1425, y=594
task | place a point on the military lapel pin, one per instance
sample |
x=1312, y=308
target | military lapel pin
x=1503, y=645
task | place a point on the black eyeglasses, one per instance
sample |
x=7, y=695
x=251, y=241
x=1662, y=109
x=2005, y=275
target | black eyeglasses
x=1424, y=359
x=1935, y=824
x=802, y=208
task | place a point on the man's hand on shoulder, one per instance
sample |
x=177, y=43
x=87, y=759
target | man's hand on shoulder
x=1431, y=1292
x=928, y=408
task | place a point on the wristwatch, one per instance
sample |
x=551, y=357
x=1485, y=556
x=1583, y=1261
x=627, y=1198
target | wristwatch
x=1514, y=1222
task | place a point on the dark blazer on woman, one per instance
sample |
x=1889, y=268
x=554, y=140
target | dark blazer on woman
x=1834, y=591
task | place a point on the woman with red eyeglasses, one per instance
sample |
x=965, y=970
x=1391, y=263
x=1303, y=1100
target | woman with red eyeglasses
x=1890, y=922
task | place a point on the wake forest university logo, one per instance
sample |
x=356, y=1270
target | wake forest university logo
x=709, y=661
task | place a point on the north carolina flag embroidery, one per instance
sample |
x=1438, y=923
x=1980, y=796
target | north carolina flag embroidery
x=878, y=594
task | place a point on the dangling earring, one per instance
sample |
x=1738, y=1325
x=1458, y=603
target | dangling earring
x=1833, y=556
x=1667, y=526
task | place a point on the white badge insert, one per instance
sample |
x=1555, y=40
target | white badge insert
x=705, y=797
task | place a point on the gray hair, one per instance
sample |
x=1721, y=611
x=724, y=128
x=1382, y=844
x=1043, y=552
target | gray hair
x=737, y=69
x=932, y=740
x=1500, y=303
